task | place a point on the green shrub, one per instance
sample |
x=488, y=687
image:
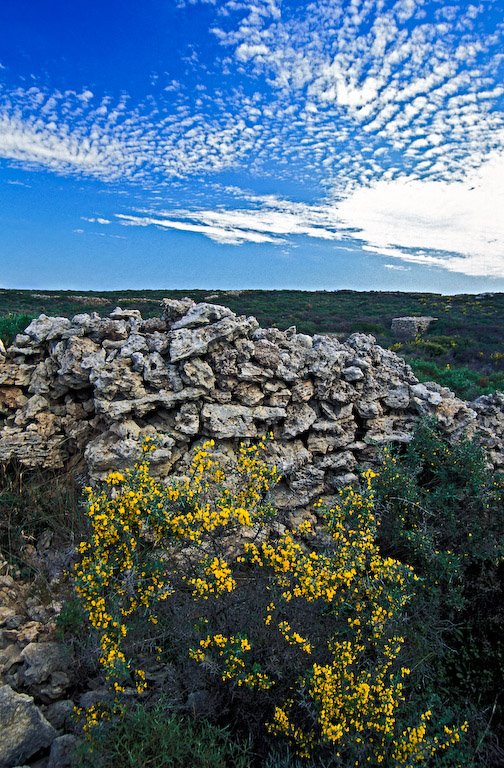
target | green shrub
x=464, y=382
x=153, y=736
x=12, y=324
x=442, y=511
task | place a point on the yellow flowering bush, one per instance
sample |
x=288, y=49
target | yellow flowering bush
x=298, y=631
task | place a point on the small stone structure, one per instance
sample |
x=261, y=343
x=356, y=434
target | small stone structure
x=91, y=388
x=407, y=328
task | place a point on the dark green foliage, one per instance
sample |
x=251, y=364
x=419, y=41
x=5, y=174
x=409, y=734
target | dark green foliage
x=155, y=737
x=442, y=511
x=12, y=324
x=465, y=382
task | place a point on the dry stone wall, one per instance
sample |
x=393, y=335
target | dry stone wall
x=91, y=388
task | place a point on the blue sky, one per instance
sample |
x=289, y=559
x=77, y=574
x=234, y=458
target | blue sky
x=259, y=144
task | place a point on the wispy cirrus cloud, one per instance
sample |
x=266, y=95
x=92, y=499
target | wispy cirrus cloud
x=457, y=226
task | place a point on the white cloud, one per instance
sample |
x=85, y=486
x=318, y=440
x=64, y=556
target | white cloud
x=96, y=220
x=219, y=232
x=457, y=225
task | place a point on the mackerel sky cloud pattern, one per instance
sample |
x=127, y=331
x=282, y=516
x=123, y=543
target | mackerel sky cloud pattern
x=370, y=122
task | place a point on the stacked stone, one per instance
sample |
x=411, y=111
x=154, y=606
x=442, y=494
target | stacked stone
x=94, y=387
x=36, y=678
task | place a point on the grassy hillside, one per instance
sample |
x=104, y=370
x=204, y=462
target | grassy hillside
x=462, y=349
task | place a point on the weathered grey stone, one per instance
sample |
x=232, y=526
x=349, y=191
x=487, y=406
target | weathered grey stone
x=33, y=406
x=95, y=387
x=398, y=397
x=254, y=373
x=368, y=409
x=352, y=373
x=339, y=437
x=327, y=357
x=157, y=342
x=192, y=342
x=134, y=343
x=159, y=374
x=268, y=414
x=409, y=327
x=197, y=373
x=23, y=728
x=14, y=374
x=202, y=314
x=172, y=309
x=248, y=393
x=60, y=713
x=362, y=342
x=62, y=751
x=155, y=326
x=42, y=661
x=288, y=456
x=46, y=328
x=302, y=391
x=106, y=452
x=32, y=448
x=80, y=356
x=307, y=484
x=223, y=421
x=187, y=419
x=116, y=378
x=280, y=398
x=112, y=411
x=9, y=656
x=266, y=354
x=299, y=418
x=426, y=392
x=112, y=330
x=125, y=314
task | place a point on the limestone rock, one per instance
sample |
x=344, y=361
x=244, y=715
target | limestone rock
x=62, y=751
x=299, y=417
x=202, y=314
x=192, y=342
x=14, y=374
x=248, y=393
x=92, y=387
x=407, y=328
x=303, y=391
x=125, y=314
x=352, y=373
x=80, y=355
x=11, y=398
x=46, y=328
x=198, y=373
x=397, y=397
x=23, y=728
x=223, y=421
x=172, y=309
x=46, y=663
